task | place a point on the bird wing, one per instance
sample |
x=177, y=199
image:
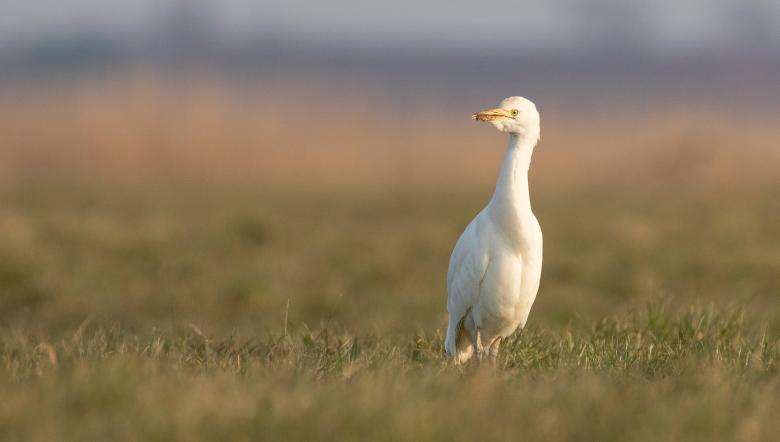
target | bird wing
x=468, y=264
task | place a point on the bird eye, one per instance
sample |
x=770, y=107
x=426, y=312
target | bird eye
x=514, y=112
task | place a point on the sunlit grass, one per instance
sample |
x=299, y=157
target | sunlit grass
x=102, y=381
x=241, y=315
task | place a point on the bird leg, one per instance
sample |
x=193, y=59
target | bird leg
x=493, y=351
x=478, y=345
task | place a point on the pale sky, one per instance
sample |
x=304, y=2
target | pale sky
x=450, y=24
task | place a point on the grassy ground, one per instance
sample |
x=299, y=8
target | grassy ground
x=645, y=377
x=178, y=265
x=217, y=315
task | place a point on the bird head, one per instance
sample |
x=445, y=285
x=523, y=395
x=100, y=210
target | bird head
x=515, y=115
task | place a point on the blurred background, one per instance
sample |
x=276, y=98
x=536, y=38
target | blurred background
x=238, y=163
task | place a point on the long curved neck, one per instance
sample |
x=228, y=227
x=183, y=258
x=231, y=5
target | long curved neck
x=511, y=203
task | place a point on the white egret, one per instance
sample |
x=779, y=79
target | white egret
x=494, y=270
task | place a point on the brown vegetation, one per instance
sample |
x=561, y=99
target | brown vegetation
x=135, y=129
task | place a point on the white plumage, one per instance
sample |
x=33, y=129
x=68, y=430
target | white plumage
x=494, y=270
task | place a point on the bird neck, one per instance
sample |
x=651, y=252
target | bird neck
x=511, y=202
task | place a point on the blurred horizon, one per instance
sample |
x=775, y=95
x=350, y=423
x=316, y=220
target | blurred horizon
x=210, y=89
x=570, y=57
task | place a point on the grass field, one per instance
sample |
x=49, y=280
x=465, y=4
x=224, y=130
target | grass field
x=197, y=272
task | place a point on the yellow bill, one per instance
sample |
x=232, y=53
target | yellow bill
x=492, y=115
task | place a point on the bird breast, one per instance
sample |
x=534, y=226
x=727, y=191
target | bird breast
x=508, y=290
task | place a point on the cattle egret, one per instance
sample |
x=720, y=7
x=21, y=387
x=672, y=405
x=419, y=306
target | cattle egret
x=495, y=267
